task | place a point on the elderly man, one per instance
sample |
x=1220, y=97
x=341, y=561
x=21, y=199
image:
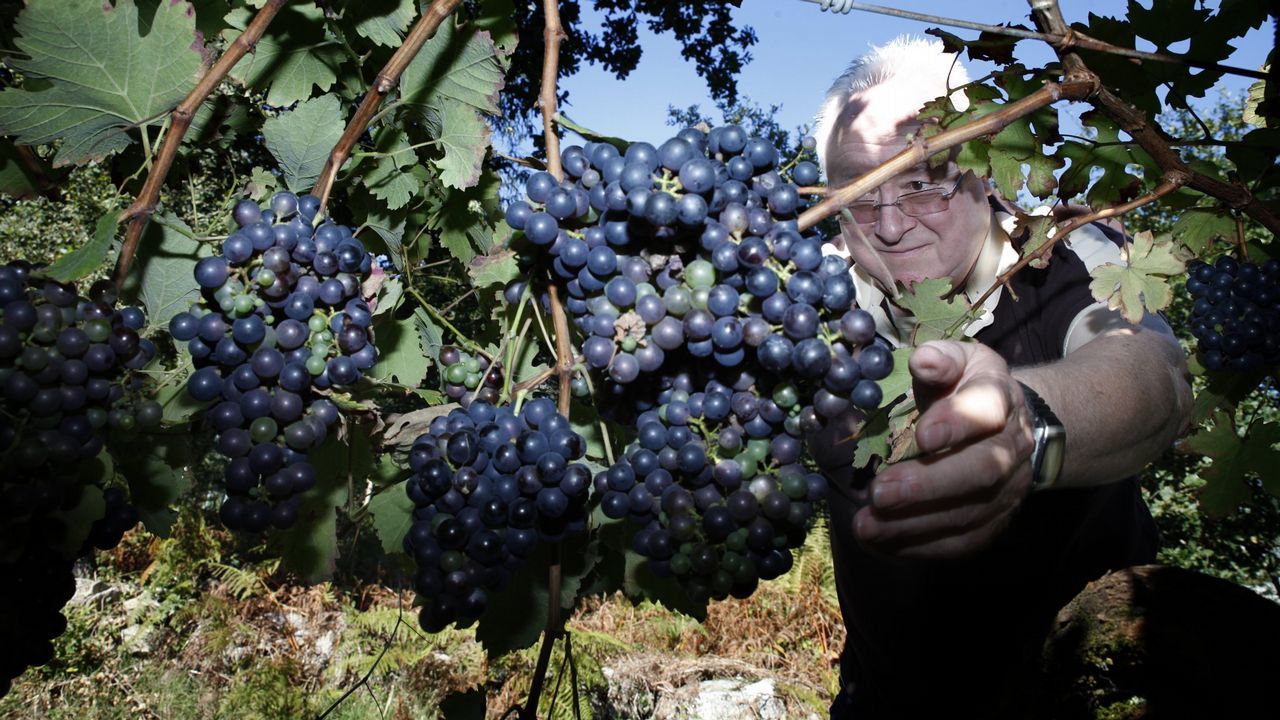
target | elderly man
x=951, y=566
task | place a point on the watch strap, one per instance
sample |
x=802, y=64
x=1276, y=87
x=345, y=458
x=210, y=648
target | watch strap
x=1046, y=428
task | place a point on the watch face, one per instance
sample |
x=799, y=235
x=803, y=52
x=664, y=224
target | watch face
x=1054, y=450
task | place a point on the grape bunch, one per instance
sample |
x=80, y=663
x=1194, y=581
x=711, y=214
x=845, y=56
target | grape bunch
x=715, y=484
x=38, y=583
x=1235, y=316
x=709, y=318
x=470, y=377
x=281, y=320
x=67, y=376
x=488, y=483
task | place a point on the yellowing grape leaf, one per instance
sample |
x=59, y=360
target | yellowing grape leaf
x=94, y=71
x=935, y=314
x=1142, y=285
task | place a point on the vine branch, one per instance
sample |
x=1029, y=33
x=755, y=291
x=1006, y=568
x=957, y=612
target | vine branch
x=921, y=149
x=1147, y=134
x=1168, y=184
x=553, y=33
x=1068, y=37
x=385, y=81
x=139, y=213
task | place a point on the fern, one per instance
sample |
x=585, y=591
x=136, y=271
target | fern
x=244, y=583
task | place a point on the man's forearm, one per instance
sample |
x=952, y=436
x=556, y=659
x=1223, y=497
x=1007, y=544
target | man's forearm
x=1123, y=398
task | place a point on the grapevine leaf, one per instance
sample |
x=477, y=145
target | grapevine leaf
x=874, y=440
x=1143, y=284
x=390, y=180
x=464, y=135
x=429, y=333
x=291, y=57
x=465, y=704
x=1253, y=104
x=1037, y=229
x=566, y=122
x=899, y=380
x=640, y=583
x=1252, y=161
x=88, y=258
x=1222, y=389
x=300, y=139
x=934, y=313
x=158, y=468
x=515, y=617
x=403, y=429
x=79, y=518
x=95, y=71
x=497, y=17
x=586, y=422
x=163, y=277
x=902, y=432
x=179, y=406
x=1108, y=156
x=392, y=512
x=383, y=22
x=400, y=356
x=1233, y=459
x=1198, y=228
x=498, y=268
x=526, y=362
x=1015, y=146
x=454, y=66
x=988, y=46
x=262, y=184
x=310, y=547
x=390, y=297
x=389, y=228
x=15, y=179
x=464, y=218
x=456, y=76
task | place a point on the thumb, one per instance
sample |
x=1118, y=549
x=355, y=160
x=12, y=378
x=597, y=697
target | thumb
x=937, y=366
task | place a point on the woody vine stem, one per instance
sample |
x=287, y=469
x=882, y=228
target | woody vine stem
x=553, y=33
x=139, y=213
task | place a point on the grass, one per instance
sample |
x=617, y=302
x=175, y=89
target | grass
x=239, y=640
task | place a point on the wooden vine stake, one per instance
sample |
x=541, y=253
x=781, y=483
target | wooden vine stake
x=139, y=213
x=553, y=33
x=386, y=80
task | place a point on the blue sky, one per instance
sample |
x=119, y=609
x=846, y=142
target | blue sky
x=800, y=50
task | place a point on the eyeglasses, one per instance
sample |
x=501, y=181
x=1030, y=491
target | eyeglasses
x=923, y=202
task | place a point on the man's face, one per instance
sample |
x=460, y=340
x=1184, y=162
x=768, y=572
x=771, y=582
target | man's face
x=943, y=244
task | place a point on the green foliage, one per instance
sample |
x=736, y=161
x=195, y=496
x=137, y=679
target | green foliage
x=301, y=139
x=292, y=57
x=1141, y=285
x=96, y=71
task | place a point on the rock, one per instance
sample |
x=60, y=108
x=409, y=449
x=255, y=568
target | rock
x=139, y=640
x=95, y=593
x=730, y=700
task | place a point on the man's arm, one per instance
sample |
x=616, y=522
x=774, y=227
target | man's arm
x=1123, y=396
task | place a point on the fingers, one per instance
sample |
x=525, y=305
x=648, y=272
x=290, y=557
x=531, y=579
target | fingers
x=975, y=469
x=937, y=365
x=981, y=407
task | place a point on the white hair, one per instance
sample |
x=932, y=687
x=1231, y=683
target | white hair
x=916, y=67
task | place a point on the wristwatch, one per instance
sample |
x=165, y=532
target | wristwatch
x=1050, y=441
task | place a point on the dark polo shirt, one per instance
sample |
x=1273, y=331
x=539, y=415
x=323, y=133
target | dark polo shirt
x=951, y=639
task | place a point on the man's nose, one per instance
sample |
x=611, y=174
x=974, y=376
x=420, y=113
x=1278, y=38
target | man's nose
x=893, y=224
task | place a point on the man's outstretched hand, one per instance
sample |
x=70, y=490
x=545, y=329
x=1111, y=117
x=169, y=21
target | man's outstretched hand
x=974, y=433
